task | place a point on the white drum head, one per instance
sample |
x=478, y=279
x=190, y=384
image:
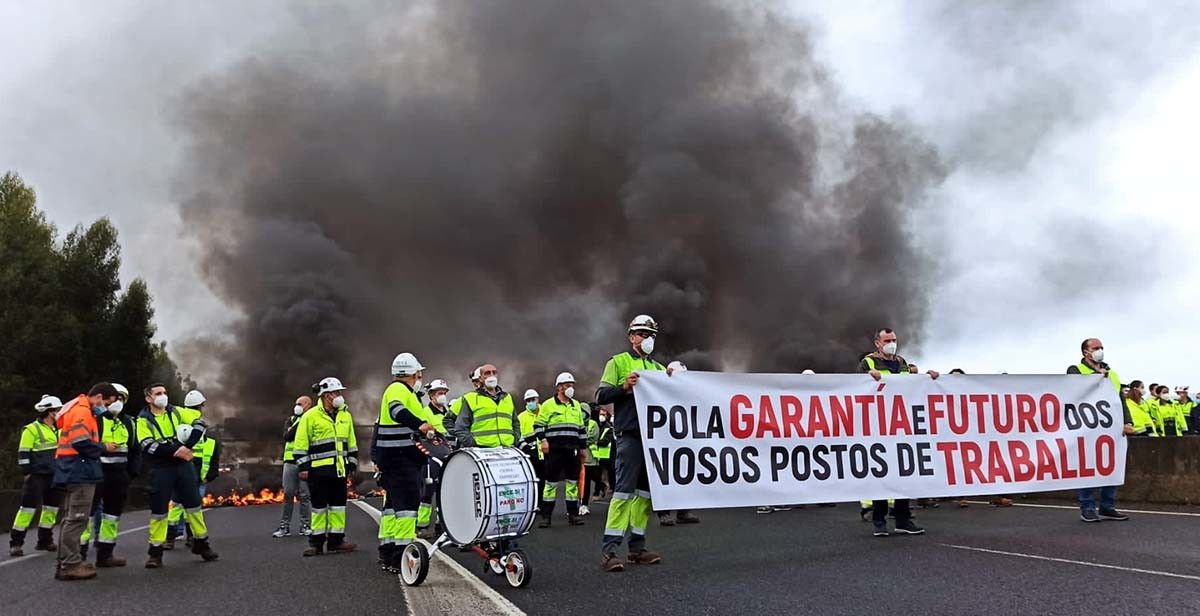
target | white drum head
x=460, y=498
x=487, y=493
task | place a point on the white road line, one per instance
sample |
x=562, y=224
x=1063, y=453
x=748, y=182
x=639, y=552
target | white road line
x=500, y=601
x=1074, y=562
x=1076, y=508
x=36, y=554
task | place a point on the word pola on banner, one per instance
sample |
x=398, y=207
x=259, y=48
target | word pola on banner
x=739, y=440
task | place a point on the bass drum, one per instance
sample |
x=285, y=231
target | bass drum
x=487, y=494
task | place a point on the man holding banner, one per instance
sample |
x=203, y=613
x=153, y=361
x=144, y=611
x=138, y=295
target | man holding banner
x=1093, y=363
x=629, y=510
x=885, y=361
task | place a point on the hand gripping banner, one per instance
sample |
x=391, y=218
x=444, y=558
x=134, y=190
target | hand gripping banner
x=737, y=440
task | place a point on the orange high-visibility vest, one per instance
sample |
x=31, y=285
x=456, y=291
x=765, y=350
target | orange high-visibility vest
x=75, y=423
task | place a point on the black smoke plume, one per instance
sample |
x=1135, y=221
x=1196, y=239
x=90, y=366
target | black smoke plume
x=512, y=180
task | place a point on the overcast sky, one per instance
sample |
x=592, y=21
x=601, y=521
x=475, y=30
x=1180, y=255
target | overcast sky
x=1070, y=131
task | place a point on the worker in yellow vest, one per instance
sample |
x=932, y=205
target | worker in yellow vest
x=293, y=488
x=436, y=411
x=1138, y=407
x=1092, y=363
x=326, y=450
x=487, y=417
x=885, y=360
x=35, y=459
x=529, y=441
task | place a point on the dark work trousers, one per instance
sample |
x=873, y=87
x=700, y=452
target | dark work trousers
x=592, y=475
x=606, y=476
x=109, y=501
x=561, y=464
x=38, y=492
x=879, y=511
x=326, y=490
x=404, y=482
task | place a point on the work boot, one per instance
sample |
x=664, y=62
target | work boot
x=611, y=564
x=201, y=548
x=314, y=550
x=880, y=529
x=574, y=520
x=666, y=518
x=1113, y=514
x=45, y=541
x=169, y=544
x=283, y=531
x=1001, y=502
x=78, y=571
x=686, y=517
x=764, y=510
x=154, y=560
x=545, y=521
x=104, y=556
x=907, y=527
x=963, y=503
x=644, y=557
x=428, y=533
x=189, y=543
x=1089, y=515
x=342, y=548
x=16, y=551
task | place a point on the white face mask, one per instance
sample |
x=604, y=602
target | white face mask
x=1098, y=355
x=339, y=402
x=648, y=345
x=299, y=410
x=417, y=386
x=160, y=401
x=890, y=348
x=491, y=382
x=569, y=393
x=440, y=400
x=115, y=407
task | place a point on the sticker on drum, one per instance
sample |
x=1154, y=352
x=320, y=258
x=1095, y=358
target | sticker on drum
x=487, y=493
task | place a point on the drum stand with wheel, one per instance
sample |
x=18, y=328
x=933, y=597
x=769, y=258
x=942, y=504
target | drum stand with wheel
x=486, y=497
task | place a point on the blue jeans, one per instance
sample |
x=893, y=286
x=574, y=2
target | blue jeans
x=1108, y=498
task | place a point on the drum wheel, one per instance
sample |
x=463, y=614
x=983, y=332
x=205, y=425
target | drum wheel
x=414, y=564
x=517, y=570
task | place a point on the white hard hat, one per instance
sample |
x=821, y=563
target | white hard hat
x=808, y=371
x=530, y=393
x=193, y=399
x=47, y=403
x=643, y=322
x=189, y=434
x=406, y=364
x=123, y=393
x=437, y=384
x=329, y=384
x=475, y=374
x=564, y=377
x=676, y=366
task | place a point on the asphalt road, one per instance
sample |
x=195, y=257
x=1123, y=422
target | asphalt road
x=256, y=574
x=825, y=561
x=812, y=561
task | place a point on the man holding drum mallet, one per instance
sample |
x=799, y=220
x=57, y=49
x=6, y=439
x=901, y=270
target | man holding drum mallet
x=560, y=426
x=401, y=465
x=629, y=510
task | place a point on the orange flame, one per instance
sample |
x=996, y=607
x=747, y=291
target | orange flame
x=266, y=496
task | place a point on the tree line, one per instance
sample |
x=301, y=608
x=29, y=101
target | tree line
x=66, y=322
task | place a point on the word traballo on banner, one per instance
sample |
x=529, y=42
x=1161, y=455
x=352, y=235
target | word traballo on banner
x=735, y=440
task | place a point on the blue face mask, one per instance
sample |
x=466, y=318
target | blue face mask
x=531, y=406
x=99, y=410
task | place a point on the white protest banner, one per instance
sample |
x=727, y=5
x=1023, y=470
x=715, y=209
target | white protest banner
x=737, y=440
